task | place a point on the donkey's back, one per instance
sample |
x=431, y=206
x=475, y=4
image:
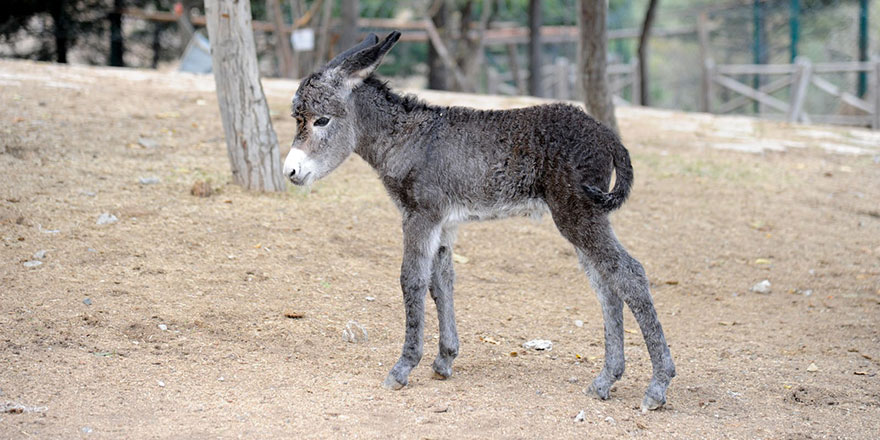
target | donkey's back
x=496, y=163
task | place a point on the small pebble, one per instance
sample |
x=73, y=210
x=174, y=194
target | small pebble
x=87, y=301
x=148, y=180
x=32, y=263
x=539, y=345
x=370, y=298
x=610, y=420
x=578, y=323
x=812, y=368
x=147, y=142
x=580, y=417
x=40, y=254
x=572, y=379
x=161, y=384
x=762, y=287
x=86, y=430
x=106, y=219
x=354, y=333
x=163, y=327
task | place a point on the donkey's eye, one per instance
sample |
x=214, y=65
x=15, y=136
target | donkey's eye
x=322, y=121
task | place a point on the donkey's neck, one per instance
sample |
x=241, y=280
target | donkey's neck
x=390, y=126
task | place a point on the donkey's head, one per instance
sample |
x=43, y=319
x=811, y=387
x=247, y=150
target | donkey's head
x=325, y=113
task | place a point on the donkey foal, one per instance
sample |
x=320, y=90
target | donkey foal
x=446, y=165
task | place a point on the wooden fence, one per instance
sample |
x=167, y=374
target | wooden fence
x=561, y=79
x=796, y=79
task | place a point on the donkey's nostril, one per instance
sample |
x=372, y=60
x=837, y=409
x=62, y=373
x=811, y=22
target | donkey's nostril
x=292, y=173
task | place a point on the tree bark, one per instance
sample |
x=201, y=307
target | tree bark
x=117, y=47
x=250, y=139
x=535, y=64
x=321, y=55
x=437, y=74
x=593, y=65
x=59, y=24
x=645, y=97
x=350, y=30
x=283, y=50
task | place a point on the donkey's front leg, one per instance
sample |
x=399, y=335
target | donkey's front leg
x=421, y=238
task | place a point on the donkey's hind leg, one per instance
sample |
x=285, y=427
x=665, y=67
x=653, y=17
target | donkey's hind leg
x=612, y=267
x=441, y=288
x=612, y=312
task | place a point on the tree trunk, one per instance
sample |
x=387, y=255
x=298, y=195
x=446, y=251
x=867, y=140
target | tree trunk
x=321, y=55
x=59, y=24
x=250, y=139
x=535, y=47
x=591, y=48
x=117, y=48
x=350, y=31
x=437, y=74
x=282, y=40
x=645, y=97
x=157, y=45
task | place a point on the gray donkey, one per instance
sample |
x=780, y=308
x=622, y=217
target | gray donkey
x=446, y=165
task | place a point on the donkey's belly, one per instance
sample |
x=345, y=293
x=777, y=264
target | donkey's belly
x=533, y=208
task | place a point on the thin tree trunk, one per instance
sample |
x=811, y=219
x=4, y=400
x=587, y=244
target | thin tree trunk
x=643, y=52
x=297, y=11
x=59, y=23
x=593, y=65
x=535, y=64
x=117, y=47
x=437, y=74
x=321, y=55
x=250, y=139
x=282, y=40
x=350, y=30
x=157, y=45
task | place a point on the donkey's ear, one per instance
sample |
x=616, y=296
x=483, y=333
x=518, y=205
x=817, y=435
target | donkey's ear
x=360, y=65
x=371, y=40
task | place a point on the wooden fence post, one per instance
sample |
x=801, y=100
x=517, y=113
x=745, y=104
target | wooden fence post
x=875, y=122
x=492, y=81
x=799, y=88
x=561, y=72
x=636, y=98
x=705, y=64
x=518, y=78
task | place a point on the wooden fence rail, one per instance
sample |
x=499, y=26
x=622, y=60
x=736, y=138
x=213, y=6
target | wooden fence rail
x=800, y=78
x=561, y=80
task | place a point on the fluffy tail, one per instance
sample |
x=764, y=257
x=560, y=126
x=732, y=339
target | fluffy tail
x=623, y=167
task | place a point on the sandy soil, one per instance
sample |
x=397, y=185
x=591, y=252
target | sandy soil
x=171, y=322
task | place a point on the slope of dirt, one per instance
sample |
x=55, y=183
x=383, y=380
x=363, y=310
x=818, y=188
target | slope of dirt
x=173, y=321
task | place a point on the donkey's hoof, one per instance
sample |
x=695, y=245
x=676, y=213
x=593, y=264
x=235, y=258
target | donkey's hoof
x=392, y=384
x=441, y=376
x=599, y=389
x=650, y=404
x=441, y=372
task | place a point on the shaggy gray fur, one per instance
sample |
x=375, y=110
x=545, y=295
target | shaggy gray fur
x=446, y=165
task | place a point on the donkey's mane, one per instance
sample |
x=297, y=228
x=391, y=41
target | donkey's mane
x=407, y=102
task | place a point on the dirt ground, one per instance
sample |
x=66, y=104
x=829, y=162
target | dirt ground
x=173, y=321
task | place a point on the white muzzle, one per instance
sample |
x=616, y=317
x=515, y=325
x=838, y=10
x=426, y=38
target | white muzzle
x=299, y=168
